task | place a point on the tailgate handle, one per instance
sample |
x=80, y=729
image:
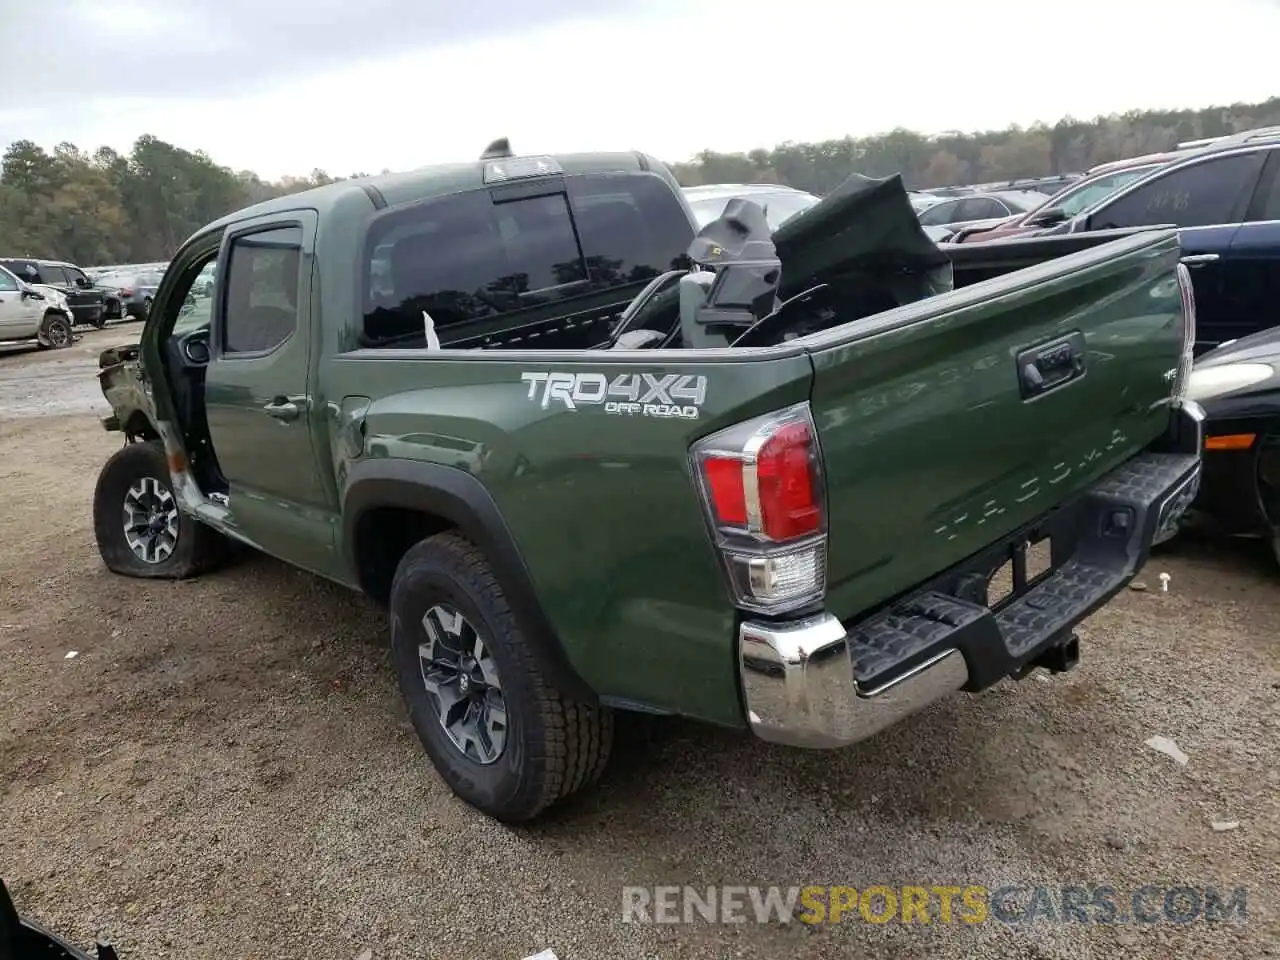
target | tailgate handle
x=1051, y=365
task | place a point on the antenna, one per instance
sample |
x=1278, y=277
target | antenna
x=499, y=149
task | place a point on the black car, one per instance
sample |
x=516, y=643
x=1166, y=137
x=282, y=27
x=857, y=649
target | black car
x=87, y=301
x=1238, y=385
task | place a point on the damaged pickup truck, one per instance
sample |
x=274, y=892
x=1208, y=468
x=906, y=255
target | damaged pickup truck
x=594, y=459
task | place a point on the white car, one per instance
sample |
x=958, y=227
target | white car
x=780, y=203
x=921, y=202
x=33, y=312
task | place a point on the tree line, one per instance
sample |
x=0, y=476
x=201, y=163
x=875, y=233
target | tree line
x=106, y=207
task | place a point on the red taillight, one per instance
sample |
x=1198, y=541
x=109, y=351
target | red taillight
x=784, y=474
x=725, y=488
x=763, y=493
x=125, y=291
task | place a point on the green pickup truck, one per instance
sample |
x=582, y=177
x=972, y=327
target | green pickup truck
x=594, y=459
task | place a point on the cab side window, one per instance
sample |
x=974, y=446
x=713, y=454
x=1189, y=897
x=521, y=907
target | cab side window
x=1199, y=195
x=260, y=302
x=940, y=214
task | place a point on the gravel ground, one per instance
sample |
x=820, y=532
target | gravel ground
x=226, y=769
x=35, y=382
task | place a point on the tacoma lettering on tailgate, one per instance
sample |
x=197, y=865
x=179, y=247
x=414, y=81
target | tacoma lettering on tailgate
x=1028, y=489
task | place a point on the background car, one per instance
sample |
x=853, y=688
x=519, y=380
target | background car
x=1225, y=200
x=1061, y=206
x=203, y=286
x=1238, y=385
x=85, y=299
x=28, y=313
x=132, y=291
x=973, y=208
x=780, y=203
x=1047, y=185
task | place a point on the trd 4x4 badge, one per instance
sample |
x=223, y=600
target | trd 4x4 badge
x=644, y=394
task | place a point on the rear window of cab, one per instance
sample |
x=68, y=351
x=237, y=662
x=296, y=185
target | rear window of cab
x=470, y=256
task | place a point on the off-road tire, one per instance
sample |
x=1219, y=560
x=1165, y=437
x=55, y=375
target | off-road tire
x=554, y=746
x=146, y=310
x=55, y=332
x=197, y=548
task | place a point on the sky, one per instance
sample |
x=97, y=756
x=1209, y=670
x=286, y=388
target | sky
x=287, y=86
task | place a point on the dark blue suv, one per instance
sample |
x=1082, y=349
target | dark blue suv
x=1226, y=199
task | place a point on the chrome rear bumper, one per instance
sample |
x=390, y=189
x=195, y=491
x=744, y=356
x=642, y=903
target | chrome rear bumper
x=800, y=689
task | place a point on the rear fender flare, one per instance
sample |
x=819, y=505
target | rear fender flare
x=461, y=499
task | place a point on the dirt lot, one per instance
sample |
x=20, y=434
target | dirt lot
x=225, y=769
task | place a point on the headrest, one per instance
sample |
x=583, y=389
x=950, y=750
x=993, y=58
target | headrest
x=740, y=234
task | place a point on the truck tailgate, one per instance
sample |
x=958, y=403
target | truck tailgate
x=935, y=443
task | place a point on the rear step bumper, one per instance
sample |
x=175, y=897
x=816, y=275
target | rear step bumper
x=815, y=683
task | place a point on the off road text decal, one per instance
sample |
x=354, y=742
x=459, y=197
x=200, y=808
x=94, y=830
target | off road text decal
x=630, y=394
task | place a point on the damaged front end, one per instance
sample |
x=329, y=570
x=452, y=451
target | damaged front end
x=127, y=390
x=22, y=939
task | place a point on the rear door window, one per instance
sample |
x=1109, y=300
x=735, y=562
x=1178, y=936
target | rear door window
x=1203, y=194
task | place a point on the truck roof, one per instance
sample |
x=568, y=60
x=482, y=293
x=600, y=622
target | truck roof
x=438, y=180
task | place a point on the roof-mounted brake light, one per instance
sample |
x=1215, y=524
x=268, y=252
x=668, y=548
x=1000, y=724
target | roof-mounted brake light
x=519, y=168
